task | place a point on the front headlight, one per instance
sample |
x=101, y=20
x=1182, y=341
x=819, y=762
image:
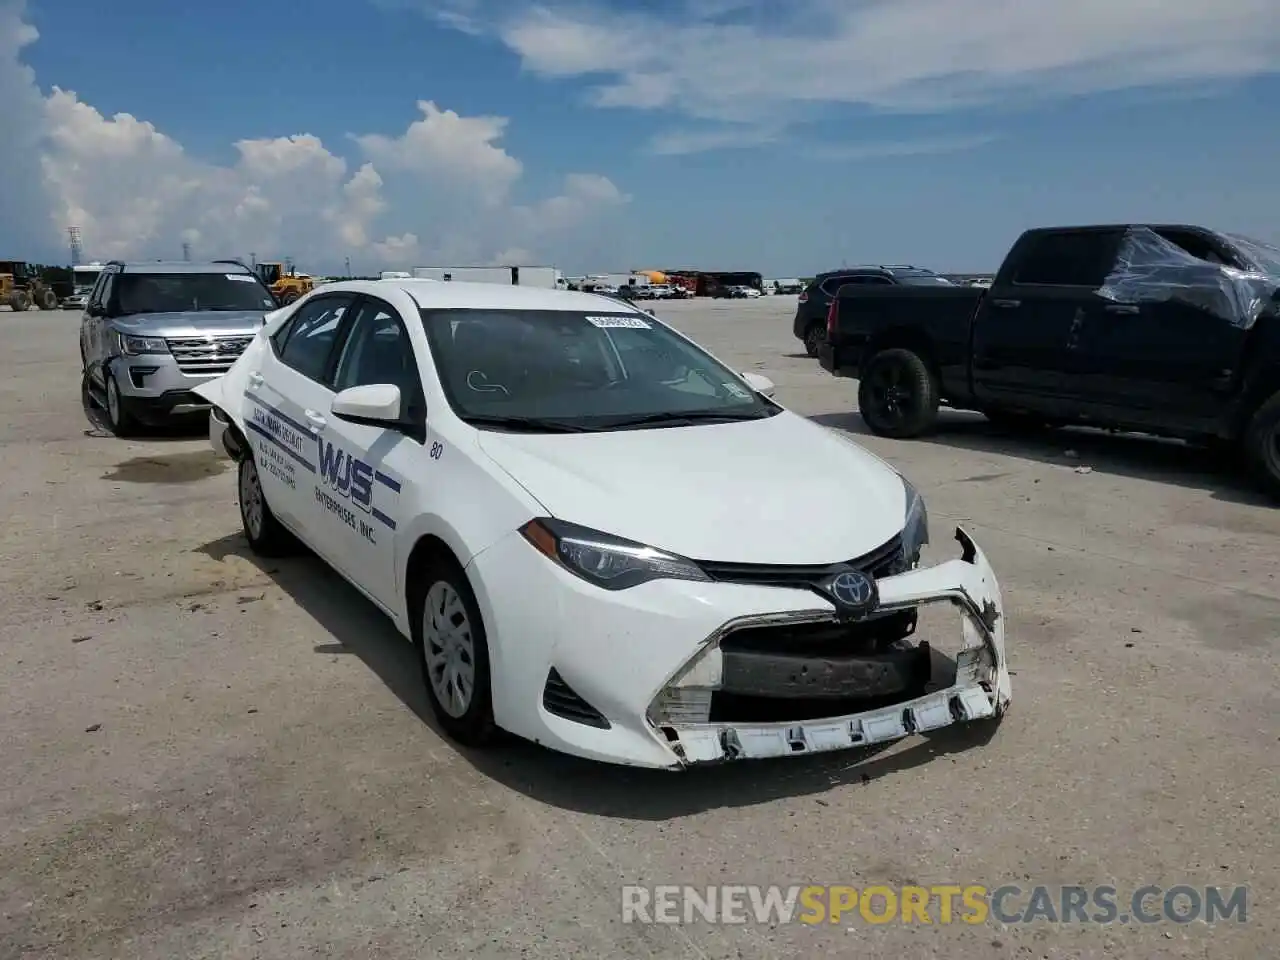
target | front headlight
x=135, y=346
x=602, y=559
x=915, y=530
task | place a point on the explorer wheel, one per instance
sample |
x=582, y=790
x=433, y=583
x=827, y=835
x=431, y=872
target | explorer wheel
x=454, y=653
x=897, y=394
x=266, y=536
x=119, y=418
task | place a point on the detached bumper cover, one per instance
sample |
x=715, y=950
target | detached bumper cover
x=981, y=688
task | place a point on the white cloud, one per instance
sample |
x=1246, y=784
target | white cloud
x=443, y=188
x=899, y=148
x=753, y=61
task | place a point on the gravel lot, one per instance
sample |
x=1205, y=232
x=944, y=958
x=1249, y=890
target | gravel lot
x=205, y=756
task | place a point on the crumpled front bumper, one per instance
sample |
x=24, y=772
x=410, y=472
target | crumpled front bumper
x=629, y=664
x=981, y=688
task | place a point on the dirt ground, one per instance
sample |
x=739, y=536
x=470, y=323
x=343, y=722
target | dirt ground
x=206, y=756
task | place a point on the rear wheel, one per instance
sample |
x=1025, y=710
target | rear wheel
x=47, y=300
x=1262, y=444
x=288, y=297
x=898, y=394
x=454, y=653
x=814, y=337
x=19, y=301
x=266, y=536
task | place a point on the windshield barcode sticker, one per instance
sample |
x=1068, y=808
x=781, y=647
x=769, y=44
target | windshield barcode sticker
x=629, y=323
x=244, y=277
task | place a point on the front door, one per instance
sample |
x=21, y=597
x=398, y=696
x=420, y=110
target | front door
x=362, y=469
x=1026, y=337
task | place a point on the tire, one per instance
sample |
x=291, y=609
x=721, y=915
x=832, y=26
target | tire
x=1262, y=445
x=47, y=300
x=266, y=536
x=19, y=301
x=449, y=635
x=898, y=394
x=119, y=418
x=814, y=337
x=288, y=298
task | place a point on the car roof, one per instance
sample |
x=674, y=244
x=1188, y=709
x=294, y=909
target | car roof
x=182, y=266
x=454, y=294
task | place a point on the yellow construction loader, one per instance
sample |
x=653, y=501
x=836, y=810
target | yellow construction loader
x=21, y=288
x=285, y=284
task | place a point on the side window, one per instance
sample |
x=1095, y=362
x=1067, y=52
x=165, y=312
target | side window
x=106, y=285
x=378, y=350
x=1080, y=259
x=310, y=336
x=831, y=286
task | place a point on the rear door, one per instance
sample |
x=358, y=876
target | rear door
x=285, y=395
x=1026, y=336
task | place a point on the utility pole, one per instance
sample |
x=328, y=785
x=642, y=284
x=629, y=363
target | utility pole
x=186, y=251
x=348, y=268
x=77, y=251
x=253, y=261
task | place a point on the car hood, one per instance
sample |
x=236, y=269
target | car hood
x=781, y=491
x=191, y=323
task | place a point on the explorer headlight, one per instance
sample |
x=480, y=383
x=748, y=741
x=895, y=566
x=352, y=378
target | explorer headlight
x=915, y=530
x=135, y=346
x=605, y=560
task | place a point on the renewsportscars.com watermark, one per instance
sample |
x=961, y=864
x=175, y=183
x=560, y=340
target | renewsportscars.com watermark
x=938, y=904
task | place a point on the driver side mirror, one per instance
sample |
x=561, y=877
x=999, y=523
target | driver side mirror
x=94, y=310
x=759, y=383
x=377, y=405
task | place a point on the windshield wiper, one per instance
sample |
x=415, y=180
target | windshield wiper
x=527, y=424
x=686, y=419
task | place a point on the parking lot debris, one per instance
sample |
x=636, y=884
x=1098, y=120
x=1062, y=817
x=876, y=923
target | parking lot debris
x=93, y=728
x=1084, y=469
x=80, y=639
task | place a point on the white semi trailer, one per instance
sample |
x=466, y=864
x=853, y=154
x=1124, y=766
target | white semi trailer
x=523, y=276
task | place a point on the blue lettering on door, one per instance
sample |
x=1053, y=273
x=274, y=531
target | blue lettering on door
x=352, y=478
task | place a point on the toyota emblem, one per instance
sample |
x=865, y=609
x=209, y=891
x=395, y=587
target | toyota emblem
x=853, y=591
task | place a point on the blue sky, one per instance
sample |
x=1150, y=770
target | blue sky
x=732, y=134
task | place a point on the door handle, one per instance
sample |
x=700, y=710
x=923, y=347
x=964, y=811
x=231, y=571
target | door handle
x=1006, y=304
x=1127, y=308
x=255, y=380
x=316, y=420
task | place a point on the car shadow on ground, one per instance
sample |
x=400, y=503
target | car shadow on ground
x=359, y=629
x=1136, y=455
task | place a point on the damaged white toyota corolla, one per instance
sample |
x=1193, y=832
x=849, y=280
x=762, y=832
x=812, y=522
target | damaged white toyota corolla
x=596, y=535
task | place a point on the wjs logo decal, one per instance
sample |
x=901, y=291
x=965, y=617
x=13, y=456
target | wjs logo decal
x=354, y=480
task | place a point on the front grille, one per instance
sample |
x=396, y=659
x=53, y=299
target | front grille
x=207, y=355
x=884, y=561
x=559, y=698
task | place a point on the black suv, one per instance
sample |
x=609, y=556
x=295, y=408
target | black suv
x=810, y=325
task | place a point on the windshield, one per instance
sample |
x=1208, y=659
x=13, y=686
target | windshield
x=181, y=292
x=561, y=369
x=82, y=281
x=1265, y=255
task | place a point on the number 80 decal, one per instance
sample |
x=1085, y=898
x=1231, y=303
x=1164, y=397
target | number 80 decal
x=436, y=450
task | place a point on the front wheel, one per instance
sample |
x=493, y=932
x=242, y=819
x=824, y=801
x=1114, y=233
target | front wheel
x=119, y=417
x=266, y=536
x=1262, y=444
x=454, y=653
x=898, y=394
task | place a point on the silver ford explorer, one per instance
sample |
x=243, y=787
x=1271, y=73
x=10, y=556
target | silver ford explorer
x=152, y=331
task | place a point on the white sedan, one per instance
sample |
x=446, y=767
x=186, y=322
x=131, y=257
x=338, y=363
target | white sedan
x=597, y=535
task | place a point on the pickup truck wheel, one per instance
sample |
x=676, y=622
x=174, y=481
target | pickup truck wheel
x=813, y=338
x=1262, y=444
x=898, y=395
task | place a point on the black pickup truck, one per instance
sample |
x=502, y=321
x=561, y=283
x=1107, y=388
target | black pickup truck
x=1169, y=330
